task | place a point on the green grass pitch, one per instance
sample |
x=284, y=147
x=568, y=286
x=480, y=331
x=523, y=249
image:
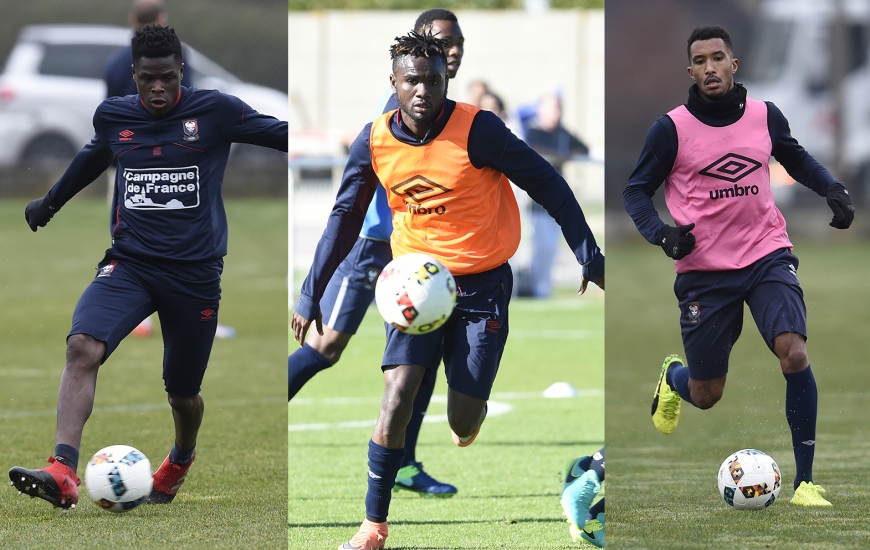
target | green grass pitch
x=507, y=480
x=234, y=496
x=662, y=489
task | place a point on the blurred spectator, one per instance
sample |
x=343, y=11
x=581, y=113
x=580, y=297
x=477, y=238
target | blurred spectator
x=475, y=91
x=119, y=73
x=544, y=133
x=488, y=101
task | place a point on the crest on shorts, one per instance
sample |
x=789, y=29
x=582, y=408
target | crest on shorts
x=371, y=277
x=694, y=309
x=191, y=129
x=107, y=269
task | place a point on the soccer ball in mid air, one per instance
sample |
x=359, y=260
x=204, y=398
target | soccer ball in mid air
x=749, y=480
x=415, y=293
x=118, y=478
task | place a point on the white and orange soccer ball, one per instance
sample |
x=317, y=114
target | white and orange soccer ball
x=749, y=480
x=415, y=293
x=118, y=478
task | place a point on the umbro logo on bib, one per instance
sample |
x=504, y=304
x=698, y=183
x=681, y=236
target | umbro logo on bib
x=731, y=168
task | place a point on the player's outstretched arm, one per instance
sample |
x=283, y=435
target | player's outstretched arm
x=300, y=325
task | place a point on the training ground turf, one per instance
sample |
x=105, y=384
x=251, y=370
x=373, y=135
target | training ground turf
x=234, y=496
x=662, y=490
x=507, y=480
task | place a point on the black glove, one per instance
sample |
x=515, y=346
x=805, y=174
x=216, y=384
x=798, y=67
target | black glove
x=677, y=242
x=39, y=212
x=839, y=201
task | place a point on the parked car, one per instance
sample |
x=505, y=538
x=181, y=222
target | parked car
x=53, y=82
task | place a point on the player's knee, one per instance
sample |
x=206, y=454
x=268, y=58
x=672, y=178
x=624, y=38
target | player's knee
x=84, y=352
x=184, y=405
x=705, y=398
x=794, y=360
x=329, y=346
x=463, y=422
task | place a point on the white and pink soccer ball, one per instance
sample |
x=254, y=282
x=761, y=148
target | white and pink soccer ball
x=415, y=293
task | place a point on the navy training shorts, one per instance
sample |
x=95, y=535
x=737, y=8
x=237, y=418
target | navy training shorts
x=711, y=309
x=185, y=295
x=351, y=289
x=472, y=340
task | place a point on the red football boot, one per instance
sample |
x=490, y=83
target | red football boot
x=167, y=480
x=57, y=484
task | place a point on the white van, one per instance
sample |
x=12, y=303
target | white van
x=792, y=64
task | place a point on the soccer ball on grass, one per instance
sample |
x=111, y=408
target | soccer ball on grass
x=118, y=478
x=749, y=480
x=415, y=293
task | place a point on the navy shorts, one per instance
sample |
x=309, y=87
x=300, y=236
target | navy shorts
x=351, y=289
x=185, y=295
x=711, y=309
x=472, y=340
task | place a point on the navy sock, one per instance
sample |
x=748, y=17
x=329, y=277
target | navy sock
x=412, y=432
x=801, y=408
x=68, y=455
x=180, y=457
x=384, y=464
x=596, y=509
x=677, y=377
x=302, y=365
x=597, y=464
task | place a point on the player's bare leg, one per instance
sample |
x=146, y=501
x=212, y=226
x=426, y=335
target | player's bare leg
x=187, y=414
x=58, y=483
x=400, y=386
x=78, y=383
x=791, y=348
x=465, y=414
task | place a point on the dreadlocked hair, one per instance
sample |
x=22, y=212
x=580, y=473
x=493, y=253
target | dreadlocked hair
x=154, y=41
x=423, y=44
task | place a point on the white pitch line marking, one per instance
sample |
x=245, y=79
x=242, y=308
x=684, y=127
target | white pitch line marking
x=144, y=407
x=496, y=408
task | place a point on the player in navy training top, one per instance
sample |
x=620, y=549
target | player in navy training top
x=169, y=236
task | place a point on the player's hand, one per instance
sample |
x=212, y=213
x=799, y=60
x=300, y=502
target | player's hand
x=300, y=325
x=840, y=203
x=677, y=242
x=38, y=213
x=584, y=283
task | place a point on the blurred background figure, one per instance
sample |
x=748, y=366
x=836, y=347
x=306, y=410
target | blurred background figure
x=476, y=89
x=545, y=134
x=118, y=76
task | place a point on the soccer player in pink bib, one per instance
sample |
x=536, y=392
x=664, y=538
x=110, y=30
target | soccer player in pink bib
x=730, y=244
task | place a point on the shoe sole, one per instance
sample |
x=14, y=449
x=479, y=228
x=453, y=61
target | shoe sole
x=31, y=486
x=397, y=488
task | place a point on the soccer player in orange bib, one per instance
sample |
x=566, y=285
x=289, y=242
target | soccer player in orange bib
x=445, y=168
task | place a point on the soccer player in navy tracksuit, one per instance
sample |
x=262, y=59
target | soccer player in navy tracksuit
x=169, y=236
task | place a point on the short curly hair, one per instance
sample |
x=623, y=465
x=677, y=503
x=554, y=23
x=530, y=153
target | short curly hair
x=154, y=41
x=709, y=33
